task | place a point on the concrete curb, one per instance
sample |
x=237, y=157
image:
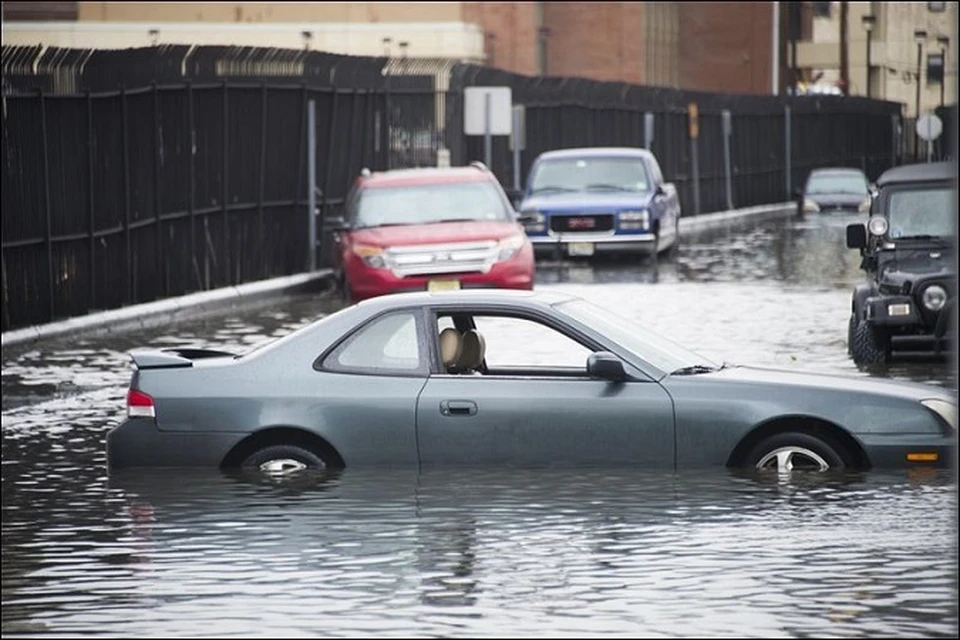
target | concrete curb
x=722, y=218
x=163, y=311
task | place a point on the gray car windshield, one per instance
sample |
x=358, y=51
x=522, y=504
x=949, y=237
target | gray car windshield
x=852, y=183
x=663, y=353
x=589, y=174
x=921, y=213
x=429, y=203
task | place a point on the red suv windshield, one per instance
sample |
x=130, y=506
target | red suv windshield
x=429, y=203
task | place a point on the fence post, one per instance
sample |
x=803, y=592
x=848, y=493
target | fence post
x=126, y=192
x=694, y=131
x=48, y=230
x=787, y=151
x=301, y=141
x=363, y=128
x=157, y=158
x=312, y=184
x=191, y=180
x=92, y=229
x=225, y=250
x=261, y=270
x=895, y=137
x=727, y=169
x=329, y=162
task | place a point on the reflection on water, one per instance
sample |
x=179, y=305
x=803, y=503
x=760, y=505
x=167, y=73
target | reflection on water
x=473, y=553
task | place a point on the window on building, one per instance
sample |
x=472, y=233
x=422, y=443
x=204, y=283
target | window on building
x=936, y=7
x=934, y=68
x=821, y=9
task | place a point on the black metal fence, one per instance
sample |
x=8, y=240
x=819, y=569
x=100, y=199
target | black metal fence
x=134, y=175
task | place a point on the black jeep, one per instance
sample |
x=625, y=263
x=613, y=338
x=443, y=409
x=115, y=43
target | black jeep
x=909, y=300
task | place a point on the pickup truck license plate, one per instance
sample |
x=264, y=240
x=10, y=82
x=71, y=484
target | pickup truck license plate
x=580, y=249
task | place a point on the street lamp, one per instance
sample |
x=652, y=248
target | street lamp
x=869, y=21
x=944, y=42
x=920, y=35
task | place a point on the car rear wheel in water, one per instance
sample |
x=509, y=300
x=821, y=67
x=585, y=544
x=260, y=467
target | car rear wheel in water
x=870, y=345
x=794, y=451
x=283, y=459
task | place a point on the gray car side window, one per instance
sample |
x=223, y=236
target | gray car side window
x=388, y=345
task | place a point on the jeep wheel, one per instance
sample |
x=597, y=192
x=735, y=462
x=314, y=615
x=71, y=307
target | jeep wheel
x=870, y=345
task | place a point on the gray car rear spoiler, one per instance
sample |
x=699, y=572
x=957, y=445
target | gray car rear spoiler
x=173, y=358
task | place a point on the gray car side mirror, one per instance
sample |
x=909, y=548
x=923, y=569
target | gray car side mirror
x=606, y=365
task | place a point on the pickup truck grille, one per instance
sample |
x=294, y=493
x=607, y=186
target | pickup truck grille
x=587, y=223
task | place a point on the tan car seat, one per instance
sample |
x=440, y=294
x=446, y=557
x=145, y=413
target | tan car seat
x=451, y=347
x=473, y=352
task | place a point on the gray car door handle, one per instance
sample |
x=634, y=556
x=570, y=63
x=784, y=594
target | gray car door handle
x=458, y=407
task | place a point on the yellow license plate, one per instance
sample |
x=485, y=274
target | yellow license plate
x=443, y=285
x=580, y=249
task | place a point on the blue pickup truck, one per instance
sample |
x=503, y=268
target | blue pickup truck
x=582, y=202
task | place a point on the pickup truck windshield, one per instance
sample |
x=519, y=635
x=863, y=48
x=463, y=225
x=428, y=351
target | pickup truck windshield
x=590, y=174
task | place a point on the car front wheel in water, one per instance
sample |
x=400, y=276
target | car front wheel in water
x=794, y=451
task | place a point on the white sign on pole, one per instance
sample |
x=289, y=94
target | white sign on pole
x=474, y=111
x=929, y=127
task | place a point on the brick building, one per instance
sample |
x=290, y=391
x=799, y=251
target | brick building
x=704, y=46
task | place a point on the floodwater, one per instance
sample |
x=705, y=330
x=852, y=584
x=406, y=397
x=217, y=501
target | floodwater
x=473, y=552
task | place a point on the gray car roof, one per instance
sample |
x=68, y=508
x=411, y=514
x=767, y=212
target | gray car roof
x=466, y=296
x=926, y=172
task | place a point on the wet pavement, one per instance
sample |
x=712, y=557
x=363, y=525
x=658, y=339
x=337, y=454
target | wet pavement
x=475, y=553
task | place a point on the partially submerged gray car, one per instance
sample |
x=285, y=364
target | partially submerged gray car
x=509, y=378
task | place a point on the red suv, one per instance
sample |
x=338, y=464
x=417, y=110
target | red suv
x=429, y=230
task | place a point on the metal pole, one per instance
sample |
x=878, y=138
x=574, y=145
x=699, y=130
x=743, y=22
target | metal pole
x=124, y=137
x=332, y=125
x=225, y=251
x=943, y=74
x=312, y=184
x=487, y=138
x=869, y=39
x=157, y=159
x=262, y=268
x=916, y=144
x=727, y=130
x=516, y=150
x=648, y=130
x=92, y=303
x=786, y=128
x=48, y=229
x=191, y=187
x=695, y=171
x=895, y=137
